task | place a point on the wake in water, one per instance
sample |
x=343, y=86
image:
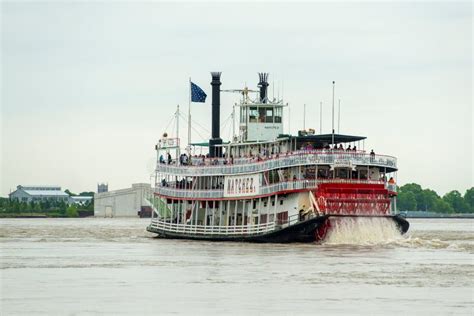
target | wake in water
x=361, y=231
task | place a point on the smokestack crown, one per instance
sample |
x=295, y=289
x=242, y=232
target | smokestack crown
x=263, y=84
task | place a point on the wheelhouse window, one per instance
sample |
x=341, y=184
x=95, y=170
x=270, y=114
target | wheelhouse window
x=269, y=116
x=253, y=115
x=278, y=114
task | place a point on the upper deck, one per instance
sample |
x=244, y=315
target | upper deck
x=229, y=166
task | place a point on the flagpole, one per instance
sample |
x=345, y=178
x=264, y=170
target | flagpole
x=189, y=116
x=333, y=87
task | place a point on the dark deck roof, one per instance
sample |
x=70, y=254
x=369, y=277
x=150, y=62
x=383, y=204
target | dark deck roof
x=206, y=144
x=325, y=138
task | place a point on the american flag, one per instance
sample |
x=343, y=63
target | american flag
x=197, y=94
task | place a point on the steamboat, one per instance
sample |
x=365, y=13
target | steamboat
x=267, y=186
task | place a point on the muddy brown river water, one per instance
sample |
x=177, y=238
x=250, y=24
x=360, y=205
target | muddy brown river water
x=113, y=266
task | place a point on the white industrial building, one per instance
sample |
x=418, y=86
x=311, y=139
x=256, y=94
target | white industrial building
x=124, y=202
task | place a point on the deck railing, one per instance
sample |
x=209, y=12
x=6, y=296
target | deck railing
x=218, y=193
x=212, y=229
x=171, y=190
x=308, y=157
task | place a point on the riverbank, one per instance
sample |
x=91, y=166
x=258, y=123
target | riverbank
x=80, y=213
x=434, y=215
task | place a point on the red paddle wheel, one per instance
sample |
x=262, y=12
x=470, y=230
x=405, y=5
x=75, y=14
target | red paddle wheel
x=353, y=199
x=350, y=199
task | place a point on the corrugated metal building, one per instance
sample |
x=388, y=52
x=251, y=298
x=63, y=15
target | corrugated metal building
x=122, y=203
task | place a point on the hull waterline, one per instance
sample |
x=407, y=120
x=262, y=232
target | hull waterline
x=303, y=232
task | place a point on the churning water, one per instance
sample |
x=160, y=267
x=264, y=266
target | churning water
x=113, y=266
x=361, y=231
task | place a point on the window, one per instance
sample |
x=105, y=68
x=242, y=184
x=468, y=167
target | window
x=269, y=116
x=261, y=115
x=253, y=114
x=278, y=114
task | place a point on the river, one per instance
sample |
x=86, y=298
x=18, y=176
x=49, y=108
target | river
x=95, y=266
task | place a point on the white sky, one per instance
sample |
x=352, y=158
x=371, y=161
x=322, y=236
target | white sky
x=88, y=87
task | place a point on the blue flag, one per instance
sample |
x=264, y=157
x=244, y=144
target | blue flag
x=197, y=95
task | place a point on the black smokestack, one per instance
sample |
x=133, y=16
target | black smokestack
x=216, y=116
x=263, y=84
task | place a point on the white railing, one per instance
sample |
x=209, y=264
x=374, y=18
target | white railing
x=216, y=193
x=392, y=187
x=289, y=185
x=180, y=193
x=264, y=190
x=285, y=160
x=212, y=230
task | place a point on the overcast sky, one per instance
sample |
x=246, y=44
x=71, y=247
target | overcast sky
x=87, y=88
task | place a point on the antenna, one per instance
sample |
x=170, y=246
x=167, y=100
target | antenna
x=304, y=116
x=177, y=133
x=289, y=119
x=278, y=91
x=321, y=117
x=282, y=88
x=273, y=89
x=339, y=116
x=233, y=122
x=333, y=89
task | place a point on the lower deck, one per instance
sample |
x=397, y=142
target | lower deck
x=300, y=230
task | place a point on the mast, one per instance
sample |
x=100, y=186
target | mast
x=333, y=88
x=321, y=117
x=177, y=133
x=304, y=116
x=339, y=117
x=233, y=122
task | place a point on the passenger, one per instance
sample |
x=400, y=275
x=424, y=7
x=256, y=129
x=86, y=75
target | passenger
x=348, y=148
x=341, y=147
x=354, y=148
x=169, y=159
x=391, y=180
x=372, y=155
x=162, y=160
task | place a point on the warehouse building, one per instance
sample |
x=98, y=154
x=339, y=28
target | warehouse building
x=38, y=193
x=130, y=202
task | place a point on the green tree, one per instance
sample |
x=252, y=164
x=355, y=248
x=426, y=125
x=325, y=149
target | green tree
x=71, y=211
x=69, y=193
x=407, y=201
x=442, y=206
x=469, y=199
x=86, y=193
x=417, y=193
x=37, y=207
x=428, y=200
x=456, y=201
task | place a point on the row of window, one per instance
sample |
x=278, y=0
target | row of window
x=261, y=115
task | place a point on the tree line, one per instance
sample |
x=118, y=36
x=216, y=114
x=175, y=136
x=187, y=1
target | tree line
x=412, y=197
